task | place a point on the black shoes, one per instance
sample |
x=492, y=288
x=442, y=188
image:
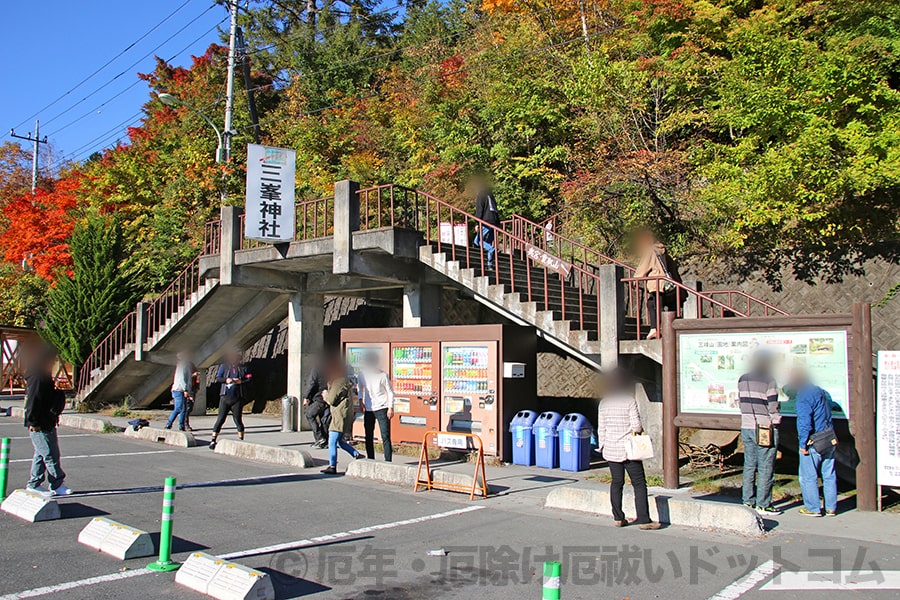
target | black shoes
x=329, y=471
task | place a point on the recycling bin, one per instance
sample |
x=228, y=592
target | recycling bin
x=522, y=438
x=546, y=448
x=574, y=443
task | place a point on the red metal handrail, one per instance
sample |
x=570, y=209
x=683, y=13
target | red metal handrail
x=388, y=205
x=109, y=350
x=752, y=304
x=212, y=238
x=315, y=218
x=173, y=297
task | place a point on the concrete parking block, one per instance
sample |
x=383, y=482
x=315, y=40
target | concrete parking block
x=183, y=439
x=270, y=454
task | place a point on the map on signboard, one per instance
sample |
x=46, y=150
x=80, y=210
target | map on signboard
x=711, y=363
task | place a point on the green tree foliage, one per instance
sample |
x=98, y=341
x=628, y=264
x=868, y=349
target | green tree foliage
x=84, y=306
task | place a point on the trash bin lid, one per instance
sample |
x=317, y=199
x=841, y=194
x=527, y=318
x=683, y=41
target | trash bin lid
x=523, y=418
x=547, y=420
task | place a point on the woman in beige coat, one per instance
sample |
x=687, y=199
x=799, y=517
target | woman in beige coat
x=340, y=398
x=656, y=263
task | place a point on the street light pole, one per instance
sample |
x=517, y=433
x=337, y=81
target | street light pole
x=170, y=100
x=229, y=88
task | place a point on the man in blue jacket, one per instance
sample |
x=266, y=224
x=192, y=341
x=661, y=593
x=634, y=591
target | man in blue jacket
x=813, y=416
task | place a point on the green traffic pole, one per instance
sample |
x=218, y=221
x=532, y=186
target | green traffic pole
x=165, y=562
x=551, y=581
x=4, y=467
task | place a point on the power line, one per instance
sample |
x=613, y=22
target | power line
x=131, y=66
x=106, y=64
x=108, y=100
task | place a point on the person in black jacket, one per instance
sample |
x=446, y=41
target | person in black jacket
x=43, y=405
x=233, y=374
x=318, y=415
x=486, y=210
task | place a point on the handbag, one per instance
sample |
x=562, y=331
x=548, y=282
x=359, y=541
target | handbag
x=667, y=286
x=764, y=437
x=638, y=446
x=823, y=440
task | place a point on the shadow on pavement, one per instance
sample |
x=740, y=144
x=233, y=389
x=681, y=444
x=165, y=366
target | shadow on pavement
x=179, y=544
x=77, y=510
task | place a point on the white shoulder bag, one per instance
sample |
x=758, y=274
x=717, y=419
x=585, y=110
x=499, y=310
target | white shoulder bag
x=638, y=446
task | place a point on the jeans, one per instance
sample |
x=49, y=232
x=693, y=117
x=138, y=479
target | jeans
x=635, y=470
x=46, y=459
x=318, y=415
x=486, y=240
x=335, y=439
x=179, y=410
x=811, y=465
x=759, y=463
x=234, y=404
x=384, y=424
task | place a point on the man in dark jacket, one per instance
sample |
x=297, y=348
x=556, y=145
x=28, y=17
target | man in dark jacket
x=318, y=415
x=486, y=210
x=813, y=405
x=233, y=375
x=43, y=405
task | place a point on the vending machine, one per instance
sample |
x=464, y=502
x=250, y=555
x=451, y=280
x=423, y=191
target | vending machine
x=452, y=379
x=416, y=382
x=353, y=354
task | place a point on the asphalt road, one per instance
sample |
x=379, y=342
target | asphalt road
x=378, y=538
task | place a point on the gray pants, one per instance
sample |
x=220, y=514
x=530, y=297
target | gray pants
x=759, y=462
x=46, y=459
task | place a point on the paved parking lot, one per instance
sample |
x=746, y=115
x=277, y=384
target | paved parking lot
x=341, y=538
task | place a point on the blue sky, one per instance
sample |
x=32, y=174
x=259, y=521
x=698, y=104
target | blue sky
x=52, y=45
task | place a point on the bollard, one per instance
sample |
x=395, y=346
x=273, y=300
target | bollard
x=165, y=562
x=4, y=467
x=551, y=581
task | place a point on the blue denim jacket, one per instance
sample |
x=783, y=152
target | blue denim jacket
x=813, y=412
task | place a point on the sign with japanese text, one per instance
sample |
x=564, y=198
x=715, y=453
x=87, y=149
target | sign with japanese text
x=711, y=363
x=270, y=194
x=887, y=415
x=545, y=259
x=449, y=440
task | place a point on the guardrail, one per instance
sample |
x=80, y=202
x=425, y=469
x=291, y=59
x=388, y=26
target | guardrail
x=108, y=350
x=173, y=297
x=212, y=238
x=388, y=205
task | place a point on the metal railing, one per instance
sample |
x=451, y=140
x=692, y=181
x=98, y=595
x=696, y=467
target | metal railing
x=173, y=298
x=315, y=219
x=388, y=205
x=212, y=238
x=747, y=305
x=120, y=339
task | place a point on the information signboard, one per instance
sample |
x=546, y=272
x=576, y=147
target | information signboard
x=270, y=210
x=887, y=415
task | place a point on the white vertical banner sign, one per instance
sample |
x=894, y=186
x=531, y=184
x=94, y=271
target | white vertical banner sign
x=270, y=194
x=887, y=414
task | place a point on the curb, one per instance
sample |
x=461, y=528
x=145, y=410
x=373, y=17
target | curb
x=673, y=510
x=268, y=454
x=404, y=475
x=182, y=439
x=73, y=421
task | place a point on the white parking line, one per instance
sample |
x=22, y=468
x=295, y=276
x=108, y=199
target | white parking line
x=65, y=457
x=747, y=582
x=181, y=486
x=68, y=435
x=71, y=585
x=834, y=580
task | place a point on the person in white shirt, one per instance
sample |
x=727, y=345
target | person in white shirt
x=376, y=398
x=181, y=389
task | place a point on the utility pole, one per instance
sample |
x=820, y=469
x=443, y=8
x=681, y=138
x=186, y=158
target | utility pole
x=34, y=159
x=229, y=90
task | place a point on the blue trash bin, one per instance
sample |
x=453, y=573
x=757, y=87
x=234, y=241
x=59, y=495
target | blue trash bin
x=574, y=443
x=522, y=438
x=546, y=448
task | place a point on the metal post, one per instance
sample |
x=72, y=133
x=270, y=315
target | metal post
x=165, y=562
x=551, y=589
x=37, y=142
x=229, y=89
x=4, y=467
x=670, y=402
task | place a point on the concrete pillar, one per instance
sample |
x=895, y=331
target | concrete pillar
x=346, y=221
x=200, y=398
x=421, y=305
x=140, y=330
x=306, y=332
x=612, y=314
x=691, y=305
x=231, y=242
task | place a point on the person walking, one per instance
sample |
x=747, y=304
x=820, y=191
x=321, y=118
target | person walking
x=758, y=400
x=661, y=294
x=817, y=442
x=191, y=396
x=617, y=419
x=181, y=389
x=233, y=375
x=486, y=211
x=43, y=405
x=340, y=398
x=318, y=415
x=377, y=399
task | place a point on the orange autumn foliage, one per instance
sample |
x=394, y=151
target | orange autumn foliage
x=40, y=226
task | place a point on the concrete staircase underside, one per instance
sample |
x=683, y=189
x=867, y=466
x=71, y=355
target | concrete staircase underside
x=228, y=317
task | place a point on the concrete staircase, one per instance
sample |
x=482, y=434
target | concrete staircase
x=557, y=311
